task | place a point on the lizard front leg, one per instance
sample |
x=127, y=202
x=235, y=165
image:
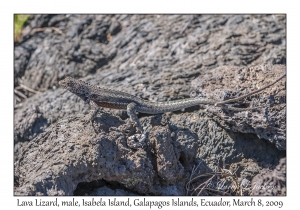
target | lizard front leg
x=93, y=112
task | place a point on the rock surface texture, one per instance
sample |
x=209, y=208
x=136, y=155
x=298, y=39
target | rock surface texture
x=157, y=58
x=267, y=119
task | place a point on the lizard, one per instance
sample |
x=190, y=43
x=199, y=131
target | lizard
x=102, y=97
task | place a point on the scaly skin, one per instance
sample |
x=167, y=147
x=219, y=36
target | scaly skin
x=102, y=97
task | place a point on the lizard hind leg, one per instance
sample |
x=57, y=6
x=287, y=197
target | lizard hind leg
x=131, y=111
x=137, y=140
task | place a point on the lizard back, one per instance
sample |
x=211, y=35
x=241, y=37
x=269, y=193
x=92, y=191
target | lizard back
x=103, y=97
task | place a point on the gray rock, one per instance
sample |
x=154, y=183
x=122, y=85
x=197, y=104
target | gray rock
x=73, y=151
x=268, y=120
x=271, y=182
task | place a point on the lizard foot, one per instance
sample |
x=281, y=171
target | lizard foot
x=87, y=119
x=136, y=141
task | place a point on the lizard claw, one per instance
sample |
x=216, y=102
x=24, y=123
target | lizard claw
x=136, y=141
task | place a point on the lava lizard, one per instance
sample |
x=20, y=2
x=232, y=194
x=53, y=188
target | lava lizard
x=101, y=97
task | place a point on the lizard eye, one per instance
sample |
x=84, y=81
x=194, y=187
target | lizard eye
x=93, y=96
x=70, y=84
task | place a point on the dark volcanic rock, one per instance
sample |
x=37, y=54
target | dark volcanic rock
x=82, y=44
x=271, y=182
x=71, y=151
x=268, y=120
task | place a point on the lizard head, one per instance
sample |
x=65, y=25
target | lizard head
x=78, y=87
